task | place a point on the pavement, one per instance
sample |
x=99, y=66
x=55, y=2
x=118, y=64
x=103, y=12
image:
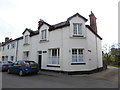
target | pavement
x=109, y=74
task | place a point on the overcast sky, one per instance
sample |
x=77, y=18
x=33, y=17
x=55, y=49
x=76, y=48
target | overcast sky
x=16, y=15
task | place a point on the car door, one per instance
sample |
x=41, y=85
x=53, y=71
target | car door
x=17, y=67
x=12, y=67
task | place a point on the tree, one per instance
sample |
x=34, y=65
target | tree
x=106, y=52
x=111, y=54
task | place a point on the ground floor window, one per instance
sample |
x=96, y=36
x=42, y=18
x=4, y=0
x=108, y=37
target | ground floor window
x=54, y=56
x=12, y=58
x=26, y=55
x=77, y=55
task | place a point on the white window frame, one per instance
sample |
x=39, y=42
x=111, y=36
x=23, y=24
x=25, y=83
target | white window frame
x=26, y=40
x=12, y=45
x=54, y=56
x=12, y=58
x=77, y=31
x=79, y=55
x=26, y=55
x=44, y=34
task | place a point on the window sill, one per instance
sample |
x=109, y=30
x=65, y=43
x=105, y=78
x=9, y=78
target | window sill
x=78, y=63
x=78, y=37
x=26, y=44
x=50, y=65
x=42, y=41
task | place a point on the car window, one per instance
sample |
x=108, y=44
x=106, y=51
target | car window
x=20, y=63
x=5, y=62
x=30, y=62
x=15, y=63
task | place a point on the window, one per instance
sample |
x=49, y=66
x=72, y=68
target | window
x=26, y=55
x=12, y=58
x=13, y=45
x=3, y=48
x=26, y=39
x=54, y=56
x=44, y=34
x=8, y=46
x=77, y=29
x=6, y=58
x=77, y=55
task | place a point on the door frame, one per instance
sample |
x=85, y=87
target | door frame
x=39, y=60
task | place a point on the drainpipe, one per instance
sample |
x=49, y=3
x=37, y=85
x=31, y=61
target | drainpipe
x=97, y=52
x=16, y=51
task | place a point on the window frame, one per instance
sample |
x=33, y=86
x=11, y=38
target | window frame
x=26, y=55
x=26, y=39
x=44, y=34
x=77, y=29
x=54, y=56
x=12, y=45
x=78, y=54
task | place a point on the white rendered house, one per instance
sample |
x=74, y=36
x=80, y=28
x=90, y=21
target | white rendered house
x=69, y=46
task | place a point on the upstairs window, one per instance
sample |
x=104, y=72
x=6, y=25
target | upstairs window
x=12, y=45
x=26, y=39
x=44, y=34
x=3, y=48
x=8, y=47
x=77, y=29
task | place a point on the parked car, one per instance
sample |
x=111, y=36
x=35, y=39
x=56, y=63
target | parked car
x=4, y=65
x=23, y=67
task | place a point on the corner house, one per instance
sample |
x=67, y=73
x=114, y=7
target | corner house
x=69, y=46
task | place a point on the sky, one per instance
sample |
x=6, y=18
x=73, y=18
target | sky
x=16, y=15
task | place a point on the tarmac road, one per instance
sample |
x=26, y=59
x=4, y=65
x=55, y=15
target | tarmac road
x=58, y=80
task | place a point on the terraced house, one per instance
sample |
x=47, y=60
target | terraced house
x=69, y=46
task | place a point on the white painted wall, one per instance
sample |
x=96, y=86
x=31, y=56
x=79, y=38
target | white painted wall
x=9, y=52
x=62, y=38
x=0, y=53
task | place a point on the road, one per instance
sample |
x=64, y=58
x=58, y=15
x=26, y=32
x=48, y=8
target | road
x=56, y=80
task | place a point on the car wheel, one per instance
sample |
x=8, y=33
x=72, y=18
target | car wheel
x=36, y=72
x=21, y=73
x=9, y=71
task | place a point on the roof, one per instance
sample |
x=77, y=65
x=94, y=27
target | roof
x=93, y=32
x=32, y=33
x=77, y=14
x=56, y=26
x=4, y=43
x=59, y=25
x=43, y=22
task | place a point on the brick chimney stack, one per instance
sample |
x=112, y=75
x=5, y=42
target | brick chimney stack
x=6, y=39
x=93, y=24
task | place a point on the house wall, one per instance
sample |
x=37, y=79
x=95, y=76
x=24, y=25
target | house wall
x=54, y=41
x=0, y=53
x=9, y=52
x=63, y=39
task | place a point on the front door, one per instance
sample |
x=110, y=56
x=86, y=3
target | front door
x=39, y=61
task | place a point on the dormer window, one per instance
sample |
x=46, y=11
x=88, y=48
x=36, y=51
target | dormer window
x=44, y=34
x=26, y=40
x=77, y=29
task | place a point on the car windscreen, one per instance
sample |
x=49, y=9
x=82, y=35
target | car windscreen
x=30, y=62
